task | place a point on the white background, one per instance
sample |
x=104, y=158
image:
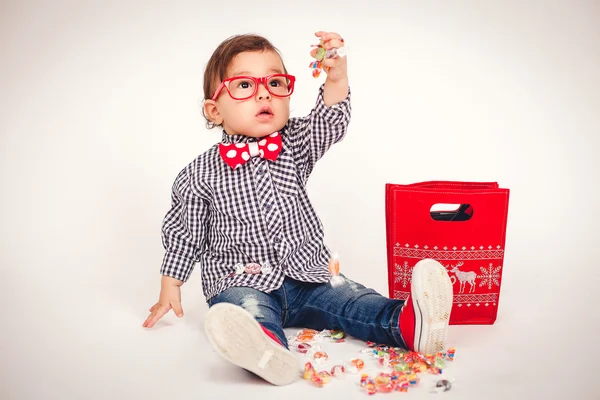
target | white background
x=99, y=110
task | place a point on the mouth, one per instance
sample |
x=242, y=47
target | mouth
x=265, y=112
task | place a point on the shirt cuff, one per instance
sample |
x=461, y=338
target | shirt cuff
x=177, y=266
x=336, y=114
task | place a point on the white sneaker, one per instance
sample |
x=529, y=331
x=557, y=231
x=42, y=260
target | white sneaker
x=425, y=317
x=241, y=340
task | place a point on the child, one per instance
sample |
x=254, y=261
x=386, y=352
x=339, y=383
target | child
x=242, y=211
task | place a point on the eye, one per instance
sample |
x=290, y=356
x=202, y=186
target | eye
x=276, y=82
x=244, y=84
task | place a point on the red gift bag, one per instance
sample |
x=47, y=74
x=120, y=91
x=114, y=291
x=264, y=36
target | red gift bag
x=462, y=225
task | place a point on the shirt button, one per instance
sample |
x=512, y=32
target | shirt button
x=268, y=207
x=277, y=239
x=261, y=171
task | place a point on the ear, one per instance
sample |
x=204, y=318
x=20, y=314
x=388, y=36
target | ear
x=212, y=112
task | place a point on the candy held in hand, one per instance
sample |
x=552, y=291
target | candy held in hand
x=334, y=269
x=322, y=54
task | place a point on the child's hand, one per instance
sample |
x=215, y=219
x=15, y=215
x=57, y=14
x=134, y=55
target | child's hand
x=170, y=298
x=336, y=68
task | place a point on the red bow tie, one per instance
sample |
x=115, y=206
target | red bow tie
x=236, y=154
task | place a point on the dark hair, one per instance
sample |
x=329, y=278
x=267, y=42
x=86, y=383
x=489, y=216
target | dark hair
x=217, y=65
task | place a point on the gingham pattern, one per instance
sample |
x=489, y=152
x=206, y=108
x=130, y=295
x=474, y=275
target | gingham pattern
x=259, y=212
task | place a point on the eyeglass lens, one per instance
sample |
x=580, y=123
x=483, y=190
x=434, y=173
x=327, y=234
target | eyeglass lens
x=244, y=87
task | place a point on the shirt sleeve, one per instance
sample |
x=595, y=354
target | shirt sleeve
x=183, y=229
x=314, y=134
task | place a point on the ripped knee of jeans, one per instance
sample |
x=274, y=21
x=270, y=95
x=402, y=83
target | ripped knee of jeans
x=251, y=304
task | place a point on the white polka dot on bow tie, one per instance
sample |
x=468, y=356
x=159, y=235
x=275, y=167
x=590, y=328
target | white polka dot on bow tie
x=240, y=145
x=237, y=165
x=274, y=134
x=261, y=152
x=231, y=153
x=272, y=147
x=245, y=156
x=262, y=142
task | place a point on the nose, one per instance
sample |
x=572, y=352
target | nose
x=262, y=93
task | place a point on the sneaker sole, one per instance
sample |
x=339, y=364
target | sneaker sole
x=240, y=339
x=431, y=291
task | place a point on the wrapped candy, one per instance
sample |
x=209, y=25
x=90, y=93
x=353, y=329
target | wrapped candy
x=303, y=348
x=384, y=361
x=306, y=335
x=309, y=371
x=326, y=376
x=355, y=365
x=439, y=363
x=364, y=378
x=334, y=269
x=442, y=385
x=317, y=380
x=402, y=366
x=337, y=370
x=413, y=379
x=450, y=353
x=419, y=367
x=322, y=53
x=320, y=357
x=337, y=336
x=370, y=388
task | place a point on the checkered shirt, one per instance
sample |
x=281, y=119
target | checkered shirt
x=257, y=213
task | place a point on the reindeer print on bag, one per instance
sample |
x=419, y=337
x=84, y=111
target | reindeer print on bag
x=463, y=277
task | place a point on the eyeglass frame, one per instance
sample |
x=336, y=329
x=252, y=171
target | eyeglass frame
x=257, y=81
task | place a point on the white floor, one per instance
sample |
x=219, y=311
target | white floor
x=99, y=112
x=87, y=342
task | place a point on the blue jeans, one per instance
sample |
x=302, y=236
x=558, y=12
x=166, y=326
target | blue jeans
x=358, y=311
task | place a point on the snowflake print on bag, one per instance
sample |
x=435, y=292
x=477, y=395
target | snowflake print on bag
x=490, y=276
x=403, y=274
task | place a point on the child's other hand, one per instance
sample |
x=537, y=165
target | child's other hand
x=170, y=298
x=336, y=68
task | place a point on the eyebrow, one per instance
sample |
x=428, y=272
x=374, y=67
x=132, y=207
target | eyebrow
x=271, y=70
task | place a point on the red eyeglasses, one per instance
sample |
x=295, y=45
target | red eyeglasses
x=244, y=87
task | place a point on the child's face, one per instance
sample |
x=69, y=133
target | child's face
x=244, y=117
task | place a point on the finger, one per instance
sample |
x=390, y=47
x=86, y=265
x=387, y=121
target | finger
x=332, y=62
x=337, y=43
x=325, y=36
x=153, y=307
x=177, y=308
x=155, y=316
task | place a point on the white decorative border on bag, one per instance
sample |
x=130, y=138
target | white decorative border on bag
x=483, y=253
x=490, y=275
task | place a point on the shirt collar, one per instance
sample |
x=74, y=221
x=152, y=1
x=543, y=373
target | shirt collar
x=227, y=138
